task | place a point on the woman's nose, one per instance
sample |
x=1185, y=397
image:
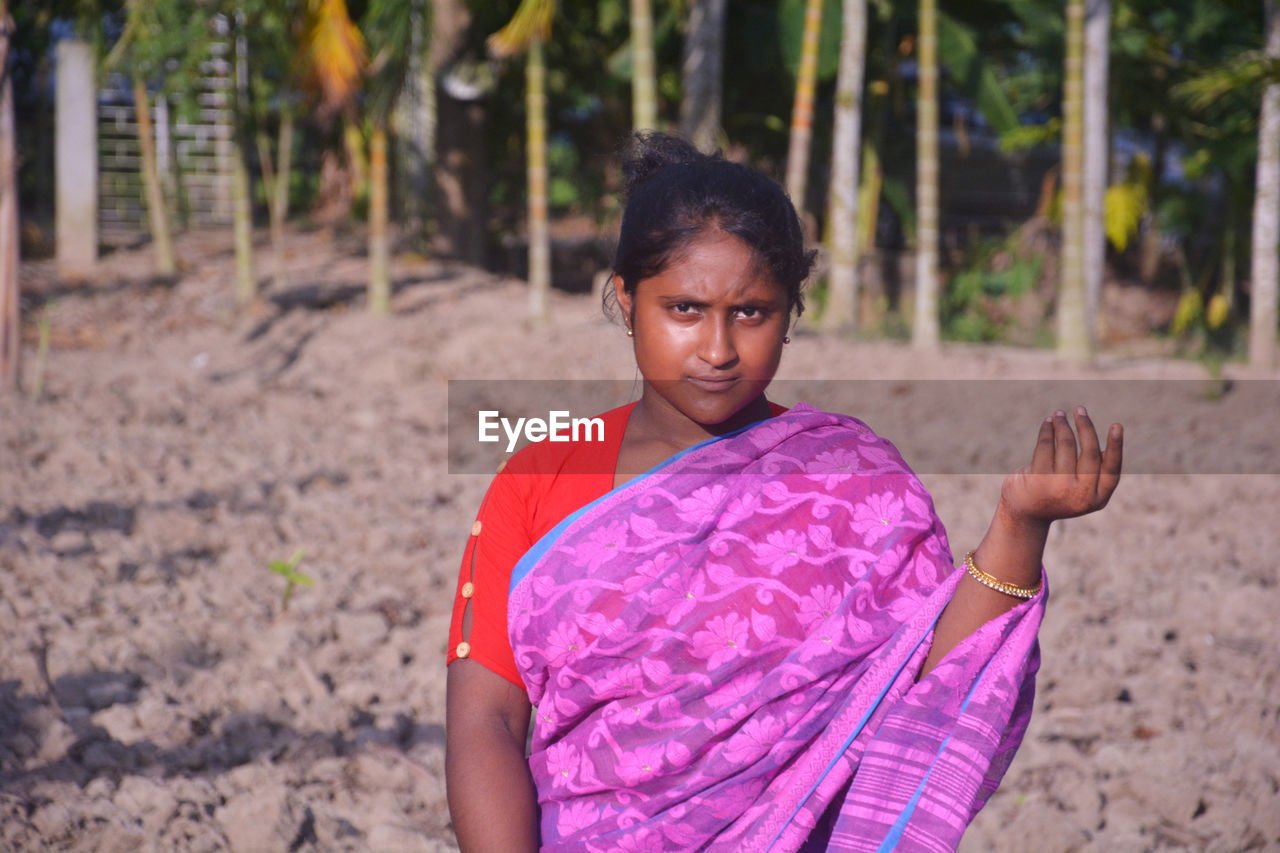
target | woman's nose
x=716, y=346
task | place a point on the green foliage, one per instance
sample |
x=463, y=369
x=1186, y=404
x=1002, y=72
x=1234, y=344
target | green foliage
x=288, y=569
x=562, y=163
x=971, y=304
x=1026, y=136
x=791, y=34
x=958, y=51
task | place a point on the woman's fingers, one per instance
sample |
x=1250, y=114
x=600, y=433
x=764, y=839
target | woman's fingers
x=1064, y=440
x=1090, y=453
x=1042, y=457
x=1111, y=461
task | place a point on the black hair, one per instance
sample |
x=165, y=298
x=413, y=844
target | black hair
x=676, y=193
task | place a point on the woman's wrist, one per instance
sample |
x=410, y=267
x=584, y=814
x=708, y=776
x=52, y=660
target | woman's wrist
x=1013, y=548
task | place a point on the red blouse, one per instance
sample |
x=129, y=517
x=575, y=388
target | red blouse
x=533, y=491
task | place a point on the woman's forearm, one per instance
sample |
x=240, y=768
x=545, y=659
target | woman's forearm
x=1012, y=551
x=491, y=796
x=492, y=799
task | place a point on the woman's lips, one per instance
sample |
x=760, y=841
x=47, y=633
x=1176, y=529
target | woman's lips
x=713, y=383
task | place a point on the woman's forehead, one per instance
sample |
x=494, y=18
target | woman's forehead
x=717, y=265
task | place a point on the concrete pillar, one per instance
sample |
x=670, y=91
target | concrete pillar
x=76, y=165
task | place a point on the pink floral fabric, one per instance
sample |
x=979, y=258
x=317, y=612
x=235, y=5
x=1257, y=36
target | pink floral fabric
x=723, y=654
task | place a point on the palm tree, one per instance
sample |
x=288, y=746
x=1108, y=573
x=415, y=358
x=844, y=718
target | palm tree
x=157, y=212
x=925, y=331
x=388, y=28
x=802, y=111
x=702, y=71
x=1097, y=52
x=8, y=217
x=1265, y=271
x=528, y=29
x=149, y=41
x=842, y=301
x=1073, y=335
x=644, y=97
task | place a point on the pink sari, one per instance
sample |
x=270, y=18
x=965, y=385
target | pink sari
x=723, y=653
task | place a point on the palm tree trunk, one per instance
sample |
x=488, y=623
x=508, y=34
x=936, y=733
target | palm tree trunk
x=157, y=215
x=242, y=224
x=802, y=111
x=279, y=202
x=644, y=98
x=1097, y=52
x=539, y=235
x=924, y=330
x=841, y=312
x=379, y=278
x=702, y=71
x=1073, y=335
x=9, y=320
x=1264, y=266
x=415, y=127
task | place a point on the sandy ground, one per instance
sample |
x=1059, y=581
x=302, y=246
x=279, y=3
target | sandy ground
x=154, y=694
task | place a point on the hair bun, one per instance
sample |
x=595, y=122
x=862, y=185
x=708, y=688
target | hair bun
x=651, y=151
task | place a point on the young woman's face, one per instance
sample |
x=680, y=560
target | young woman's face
x=709, y=329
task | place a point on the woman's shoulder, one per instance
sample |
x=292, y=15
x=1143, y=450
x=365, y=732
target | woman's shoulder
x=573, y=445
x=815, y=434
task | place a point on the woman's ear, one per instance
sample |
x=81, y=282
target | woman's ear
x=624, y=298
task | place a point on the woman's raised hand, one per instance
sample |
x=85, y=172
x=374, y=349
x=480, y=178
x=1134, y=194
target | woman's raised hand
x=1064, y=481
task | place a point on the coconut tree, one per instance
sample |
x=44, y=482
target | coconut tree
x=924, y=330
x=1097, y=53
x=1265, y=269
x=644, y=89
x=802, y=111
x=388, y=29
x=842, y=299
x=702, y=71
x=8, y=215
x=272, y=41
x=527, y=31
x=1073, y=333
x=156, y=34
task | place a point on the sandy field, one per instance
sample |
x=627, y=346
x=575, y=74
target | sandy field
x=155, y=694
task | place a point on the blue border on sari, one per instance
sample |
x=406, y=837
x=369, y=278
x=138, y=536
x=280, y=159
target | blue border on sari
x=526, y=563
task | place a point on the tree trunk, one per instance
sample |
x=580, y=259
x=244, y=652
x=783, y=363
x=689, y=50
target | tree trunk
x=1265, y=265
x=925, y=333
x=1073, y=334
x=415, y=128
x=157, y=215
x=1097, y=53
x=841, y=312
x=279, y=201
x=539, y=236
x=242, y=223
x=802, y=111
x=644, y=89
x=379, y=278
x=702, y=71
x=9, y=320
x=357, y=166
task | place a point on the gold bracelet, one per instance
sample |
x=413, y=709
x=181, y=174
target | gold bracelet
x=995, y=583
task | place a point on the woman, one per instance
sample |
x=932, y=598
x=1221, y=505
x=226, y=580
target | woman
x=739, y=624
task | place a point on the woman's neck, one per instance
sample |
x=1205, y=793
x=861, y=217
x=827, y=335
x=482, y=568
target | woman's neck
x=655, y=419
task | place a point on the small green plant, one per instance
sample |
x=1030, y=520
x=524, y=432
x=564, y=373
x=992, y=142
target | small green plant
x=288, y=569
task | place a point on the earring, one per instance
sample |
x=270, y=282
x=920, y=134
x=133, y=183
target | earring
x=786, y=339
x=630, y=334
